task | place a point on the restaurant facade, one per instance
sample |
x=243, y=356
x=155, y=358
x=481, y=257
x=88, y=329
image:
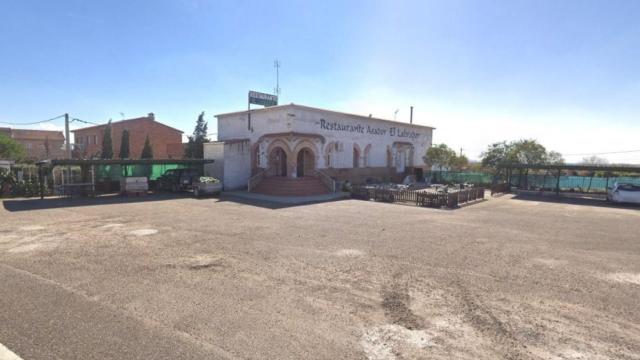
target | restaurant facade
x=294, y=141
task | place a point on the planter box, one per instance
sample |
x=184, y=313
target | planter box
x=200, y=189
x=134, y=184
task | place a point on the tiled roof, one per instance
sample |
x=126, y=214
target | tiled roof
x=28, y=134
x=143, y=118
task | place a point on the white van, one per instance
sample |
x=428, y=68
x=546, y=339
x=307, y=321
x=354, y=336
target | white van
x=624, y=193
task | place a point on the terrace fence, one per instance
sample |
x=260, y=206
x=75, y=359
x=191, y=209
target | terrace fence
x=500, y=188
x=424, y=198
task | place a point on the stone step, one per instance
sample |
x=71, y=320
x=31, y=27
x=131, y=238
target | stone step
x=280, y=186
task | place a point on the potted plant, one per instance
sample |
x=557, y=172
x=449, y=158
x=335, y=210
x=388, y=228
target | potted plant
x=7, y=179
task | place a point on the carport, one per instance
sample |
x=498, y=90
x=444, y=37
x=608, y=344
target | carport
x=568, y=177
x=74, y=176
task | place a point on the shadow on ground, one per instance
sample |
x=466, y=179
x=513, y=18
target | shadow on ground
x=587, y=201
x=25, y=204
x=265, y=204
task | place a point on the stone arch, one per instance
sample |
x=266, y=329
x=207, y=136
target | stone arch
x=357, y=153
x=279, y=158
x=366, y=156
x=330, y=154
x=255, y=158
x=306, y=157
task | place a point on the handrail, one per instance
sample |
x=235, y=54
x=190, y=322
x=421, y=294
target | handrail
x=327, y=180
x=256, y=179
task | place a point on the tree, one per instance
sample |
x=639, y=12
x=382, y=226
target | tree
x=439, y=156
x=195, y=147
x=554, y=158
x=594, y=160
x=496, y=154
x=519, y=152
x=459, y=162
x=10, y=149
x=107, y=143
x=124, y=145
x=147, y=149
x=47, y=146
x=528, y=152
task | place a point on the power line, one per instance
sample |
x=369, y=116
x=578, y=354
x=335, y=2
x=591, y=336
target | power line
x=84, y=121
x=605, y=153
x=33, y=123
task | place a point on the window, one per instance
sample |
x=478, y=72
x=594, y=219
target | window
x=95, y=139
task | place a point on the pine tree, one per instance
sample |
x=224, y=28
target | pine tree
x=147, y=149
x=195, y=147
x=47, y=146
x=107, y=143
x=124, y=145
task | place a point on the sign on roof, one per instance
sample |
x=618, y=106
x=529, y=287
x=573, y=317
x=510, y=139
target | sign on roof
x=263, y=99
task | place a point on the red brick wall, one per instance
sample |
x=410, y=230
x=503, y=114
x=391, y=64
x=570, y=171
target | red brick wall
x=33, y=142
x=35, y=149
x=161, y=136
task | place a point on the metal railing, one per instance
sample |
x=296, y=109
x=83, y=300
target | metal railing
x=501, y=188
x=327, y=180
x=425, y=198
x=256, y=179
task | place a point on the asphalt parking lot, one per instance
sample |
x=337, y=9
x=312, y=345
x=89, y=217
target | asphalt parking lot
x=173, y=278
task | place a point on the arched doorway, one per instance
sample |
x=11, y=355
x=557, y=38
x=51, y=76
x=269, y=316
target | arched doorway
x=278, y=161
x=356, y=156
x=305, y=162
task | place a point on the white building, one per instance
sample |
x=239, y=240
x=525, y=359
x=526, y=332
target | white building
x=294, y=141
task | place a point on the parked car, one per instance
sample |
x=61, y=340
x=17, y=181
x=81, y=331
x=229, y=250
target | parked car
x=177, y=180
x=205, y=185
x=624, y=193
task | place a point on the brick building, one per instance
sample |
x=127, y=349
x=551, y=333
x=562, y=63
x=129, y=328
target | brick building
x=165, y=140
x=38, y=144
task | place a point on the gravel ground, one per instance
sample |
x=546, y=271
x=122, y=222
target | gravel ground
x=505, y=278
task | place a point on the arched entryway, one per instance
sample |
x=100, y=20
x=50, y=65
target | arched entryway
x=278, y=161
x=356, y=156
x=305, y=162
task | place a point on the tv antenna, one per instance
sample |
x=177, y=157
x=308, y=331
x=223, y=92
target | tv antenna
x=395, y=114
x=277, y=65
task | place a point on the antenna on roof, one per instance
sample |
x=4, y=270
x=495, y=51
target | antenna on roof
x=395, y=114
x=277, y=65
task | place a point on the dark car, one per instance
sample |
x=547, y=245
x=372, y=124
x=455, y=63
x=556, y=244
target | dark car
x=178, y=180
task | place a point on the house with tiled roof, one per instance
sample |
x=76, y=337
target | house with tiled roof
x=38, y=144
x=165, y=140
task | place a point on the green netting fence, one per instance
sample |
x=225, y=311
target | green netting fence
x=572, y=183
x=534, y=181
x=153, y=172
x=460, y=177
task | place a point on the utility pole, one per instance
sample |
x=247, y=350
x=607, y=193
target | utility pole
x=66, y=134
x=276, y=64
x=67, y=145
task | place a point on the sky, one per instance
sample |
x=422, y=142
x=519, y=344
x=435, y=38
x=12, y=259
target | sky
x=566, y=73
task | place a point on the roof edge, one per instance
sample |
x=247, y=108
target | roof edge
x=279, y=107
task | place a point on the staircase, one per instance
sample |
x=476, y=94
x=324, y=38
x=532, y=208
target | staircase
x=283, y=186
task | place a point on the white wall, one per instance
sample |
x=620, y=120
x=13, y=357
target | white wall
x=237, y=165
x=378, y=133
x=214, y=151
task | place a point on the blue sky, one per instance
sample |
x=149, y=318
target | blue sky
x=564, y=72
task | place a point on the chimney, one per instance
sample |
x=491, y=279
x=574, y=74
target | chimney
x=411, y=116
x=151, y=116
